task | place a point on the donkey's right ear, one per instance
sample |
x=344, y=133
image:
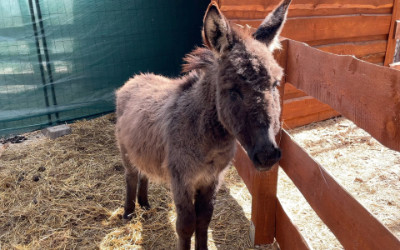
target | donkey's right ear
x=216, y=30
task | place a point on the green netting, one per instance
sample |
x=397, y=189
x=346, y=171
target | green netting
x=61, y=60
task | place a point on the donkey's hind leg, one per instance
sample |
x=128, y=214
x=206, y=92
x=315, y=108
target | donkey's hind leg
x=142, y=193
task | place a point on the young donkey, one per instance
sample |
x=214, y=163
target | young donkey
x=183, y=131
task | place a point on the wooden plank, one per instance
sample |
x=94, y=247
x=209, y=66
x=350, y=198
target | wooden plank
x=309, y=118
x=351, y=223
x=236, y=13
x=262, y=186
x=382, y=37
x=377, y=58
x=291, y=92
x=332, y=27
x=258, y=9
x=263, y=206
x=287, y=234
x=303, y=106
x=391, y=47
x=358, y=49
x=365, y=93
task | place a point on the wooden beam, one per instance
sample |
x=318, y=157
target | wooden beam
x=291, y=92
x=262, y=186
x=332, y=27
x=365, y=93
x=351, y=223
x=287, y=234
x=258, y=9
x=305, y=110
x=391, y=47
x=358, y=49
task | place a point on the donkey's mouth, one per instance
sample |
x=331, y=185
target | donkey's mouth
x=264, y=161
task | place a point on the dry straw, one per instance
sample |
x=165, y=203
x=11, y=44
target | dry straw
x=68, y=193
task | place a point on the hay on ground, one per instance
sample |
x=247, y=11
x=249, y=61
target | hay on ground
x=69, y=193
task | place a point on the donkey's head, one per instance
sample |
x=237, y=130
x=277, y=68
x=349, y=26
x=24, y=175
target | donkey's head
x=248, y=75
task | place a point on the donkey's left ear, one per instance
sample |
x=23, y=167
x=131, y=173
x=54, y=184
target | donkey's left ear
x=271, y=27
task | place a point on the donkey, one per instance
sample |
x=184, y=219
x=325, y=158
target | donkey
x=183, y=131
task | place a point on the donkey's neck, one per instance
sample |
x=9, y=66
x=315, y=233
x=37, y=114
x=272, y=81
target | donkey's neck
x=202, y=96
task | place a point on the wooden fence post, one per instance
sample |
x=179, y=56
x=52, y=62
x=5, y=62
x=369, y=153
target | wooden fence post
x=391, y=45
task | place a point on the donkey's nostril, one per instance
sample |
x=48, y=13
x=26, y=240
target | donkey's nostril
x=265, y=160
x=278, y=154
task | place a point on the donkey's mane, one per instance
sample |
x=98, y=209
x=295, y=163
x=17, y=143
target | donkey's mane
x=200, y=58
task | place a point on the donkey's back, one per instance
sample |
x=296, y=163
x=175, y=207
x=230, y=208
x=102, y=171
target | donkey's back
x=142, y=105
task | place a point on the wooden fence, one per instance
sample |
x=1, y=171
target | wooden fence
x=365, y=93
x=363, y=28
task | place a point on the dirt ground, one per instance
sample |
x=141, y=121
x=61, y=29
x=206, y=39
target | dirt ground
x=68, y=193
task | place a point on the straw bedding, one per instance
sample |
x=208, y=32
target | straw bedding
x=68, y=193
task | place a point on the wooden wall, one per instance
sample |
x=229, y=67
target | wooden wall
x=359, y=27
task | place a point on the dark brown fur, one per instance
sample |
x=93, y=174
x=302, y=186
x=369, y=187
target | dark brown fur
x=183, y=131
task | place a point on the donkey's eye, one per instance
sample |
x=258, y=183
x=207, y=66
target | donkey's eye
x=276, y=84
x=235, y=94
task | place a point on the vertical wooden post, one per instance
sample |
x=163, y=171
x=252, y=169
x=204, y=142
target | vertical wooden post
x=263, y=207
x=264, y=184
x=391, y=46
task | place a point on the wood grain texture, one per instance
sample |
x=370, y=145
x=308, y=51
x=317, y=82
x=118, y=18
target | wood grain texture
x=291, y=92
x=367, y=94
x=258, y=9
x=287, y=234
x=351, y=223
x=358, y=49
x=305, y=110
x=263, y=187
x=391, y=47
x=332, y=27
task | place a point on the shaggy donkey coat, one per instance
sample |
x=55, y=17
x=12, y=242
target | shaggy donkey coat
x=183, y=131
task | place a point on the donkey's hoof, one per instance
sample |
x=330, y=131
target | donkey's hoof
x=128, y=216
x=145, y=205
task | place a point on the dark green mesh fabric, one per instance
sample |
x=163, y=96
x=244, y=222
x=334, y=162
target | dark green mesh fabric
x=62, y=60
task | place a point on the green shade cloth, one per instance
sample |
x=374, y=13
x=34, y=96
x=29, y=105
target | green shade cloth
x=62, y=60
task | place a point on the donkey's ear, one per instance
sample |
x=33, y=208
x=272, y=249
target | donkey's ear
x=271, y=27
x=216, y=30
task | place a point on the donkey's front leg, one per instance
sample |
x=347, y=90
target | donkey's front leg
x=142, y=192
x=186, y=215
x=204, y=206
x=131, y=178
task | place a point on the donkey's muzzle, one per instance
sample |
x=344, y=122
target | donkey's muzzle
x=265, y=159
